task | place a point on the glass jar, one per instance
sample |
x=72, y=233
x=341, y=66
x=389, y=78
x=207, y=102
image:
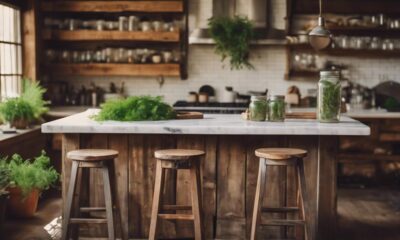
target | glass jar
x=258, y=108
x=329, y=96
x=276, y=108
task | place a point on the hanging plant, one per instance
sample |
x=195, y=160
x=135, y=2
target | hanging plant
x=232, y=37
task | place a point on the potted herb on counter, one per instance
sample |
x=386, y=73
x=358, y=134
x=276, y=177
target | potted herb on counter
x=19, y=112
x=27, y=180
x=232, y=38
x=4, y=182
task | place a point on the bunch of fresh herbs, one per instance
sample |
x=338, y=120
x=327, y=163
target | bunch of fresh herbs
x=329, y=103
x=28, y=175
x=139, y=108
x=232, y=37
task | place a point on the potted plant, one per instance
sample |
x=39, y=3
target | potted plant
x=232, y=38
x=4, y=182
x=27, y=180
x=21, y=111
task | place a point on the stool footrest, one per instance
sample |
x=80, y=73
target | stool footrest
x=280, y=209
x=176, y=207
x=282, y=222
x=187, y=217
x=88, y=220
x=92, y=209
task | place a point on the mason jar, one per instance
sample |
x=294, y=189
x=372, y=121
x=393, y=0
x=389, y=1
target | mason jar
x=276, y=108
x=258, y=108
x=329, y=97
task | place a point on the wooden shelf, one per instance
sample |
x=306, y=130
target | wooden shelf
x=366, y=158
x=114, y=69
x=308, y=74
x=113, y=6
x=92, y=35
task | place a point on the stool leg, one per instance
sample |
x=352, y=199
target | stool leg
x=158, y=186
x=304, y=197
x=262, y=169
x=108, y=201
x=70, y=198
x=195, y=188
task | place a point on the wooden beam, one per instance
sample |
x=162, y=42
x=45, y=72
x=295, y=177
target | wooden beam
x=30, y=39
x=112, y=6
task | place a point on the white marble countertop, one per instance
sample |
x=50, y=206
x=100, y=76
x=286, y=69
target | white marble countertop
x=212, y=124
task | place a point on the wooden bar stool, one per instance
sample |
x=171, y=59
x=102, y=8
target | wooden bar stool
x=177, y=159
x=85, y=159
x=281, y=157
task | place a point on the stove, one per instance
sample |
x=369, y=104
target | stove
x=211, y=107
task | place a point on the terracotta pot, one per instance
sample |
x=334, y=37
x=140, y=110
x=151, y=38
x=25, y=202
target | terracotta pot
x=3, y=204
x=18, y=206
x=20, y=123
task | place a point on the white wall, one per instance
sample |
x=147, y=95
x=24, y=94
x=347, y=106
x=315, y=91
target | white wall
x=205, y=68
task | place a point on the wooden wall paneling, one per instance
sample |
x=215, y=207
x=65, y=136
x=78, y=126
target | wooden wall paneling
x=209, y=184
x=327, y=198
x=231, y=179
x=30, y=39
x=120, y=143
x=185, y=228
x=96, y=197
x=141, y=182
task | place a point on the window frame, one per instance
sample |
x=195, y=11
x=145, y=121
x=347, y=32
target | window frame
x=19, y=58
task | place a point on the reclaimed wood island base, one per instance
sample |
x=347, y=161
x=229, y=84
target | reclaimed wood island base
x=229, y=170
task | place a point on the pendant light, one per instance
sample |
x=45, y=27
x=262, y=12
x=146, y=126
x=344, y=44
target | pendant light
x=320, y=37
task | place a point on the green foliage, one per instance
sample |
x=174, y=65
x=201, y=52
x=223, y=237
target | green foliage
x=16, y=108
x=29, y=106
x=29, y=175
x=4, y=177
x=232, y=37
x=138, y=108
x=33, y=93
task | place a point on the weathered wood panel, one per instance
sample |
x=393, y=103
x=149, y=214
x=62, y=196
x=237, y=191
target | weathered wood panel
x=231, y=194
x=229, y=172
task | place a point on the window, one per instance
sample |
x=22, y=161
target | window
x=10, y=52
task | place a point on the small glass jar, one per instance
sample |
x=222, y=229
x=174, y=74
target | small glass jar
x=276, y=108
x=329, y=97
x=258, y=108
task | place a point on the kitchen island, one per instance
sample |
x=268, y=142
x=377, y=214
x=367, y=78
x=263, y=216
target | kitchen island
x=229, y=169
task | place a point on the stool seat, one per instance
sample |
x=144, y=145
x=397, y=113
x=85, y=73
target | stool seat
x=92, y=154
x=177, y=154
x=280, y=153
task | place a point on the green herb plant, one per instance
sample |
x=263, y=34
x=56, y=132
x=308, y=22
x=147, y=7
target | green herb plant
x=232, y=37
x=4, y=178
x=28, y=175
x=329, y=101
x=276, y=111
x=139, y=108
x=29, y=106
x=16, y=109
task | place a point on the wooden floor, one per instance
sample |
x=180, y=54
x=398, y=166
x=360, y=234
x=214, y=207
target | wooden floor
x=363, y=215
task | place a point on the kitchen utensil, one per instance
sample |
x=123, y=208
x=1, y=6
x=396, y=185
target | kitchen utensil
x=192, y=97
x=228, y=95
x=189, y=115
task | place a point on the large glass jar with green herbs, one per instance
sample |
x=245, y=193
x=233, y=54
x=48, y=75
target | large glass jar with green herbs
x=276, y=108
x=258, y=108
x=329, y=97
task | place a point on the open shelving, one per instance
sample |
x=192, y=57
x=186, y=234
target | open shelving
x=115, y=69
x=92, y=35
x=113, y=6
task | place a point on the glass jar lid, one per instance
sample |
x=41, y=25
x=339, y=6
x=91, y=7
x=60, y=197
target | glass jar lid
x=258, y=98
x=330, y=74
x=277, y=97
